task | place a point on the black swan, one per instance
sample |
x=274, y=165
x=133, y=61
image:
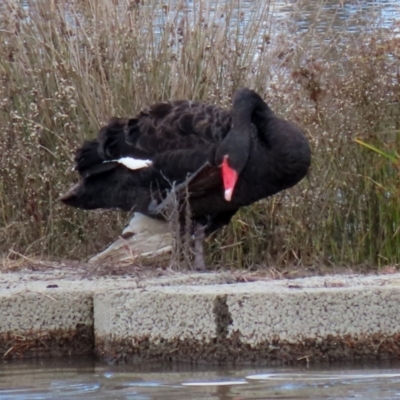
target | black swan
x=219, y=160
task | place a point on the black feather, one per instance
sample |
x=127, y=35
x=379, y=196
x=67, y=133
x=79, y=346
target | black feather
x=187, y=142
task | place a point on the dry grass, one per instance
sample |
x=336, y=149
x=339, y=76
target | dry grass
x=66, y=66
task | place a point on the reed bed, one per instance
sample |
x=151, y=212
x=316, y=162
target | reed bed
x=67, y=66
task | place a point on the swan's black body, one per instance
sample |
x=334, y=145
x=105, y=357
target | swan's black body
x=186, y=138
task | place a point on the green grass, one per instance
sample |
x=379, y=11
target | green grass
x=61, y=80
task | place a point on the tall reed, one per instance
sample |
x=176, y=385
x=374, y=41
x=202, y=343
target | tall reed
x=66, y=66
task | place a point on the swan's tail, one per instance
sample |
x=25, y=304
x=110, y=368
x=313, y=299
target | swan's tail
x=106, y=177
x=117, y=188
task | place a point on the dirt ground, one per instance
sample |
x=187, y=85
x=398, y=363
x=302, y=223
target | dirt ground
x=161, y=269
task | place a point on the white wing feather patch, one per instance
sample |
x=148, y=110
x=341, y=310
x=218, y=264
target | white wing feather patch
x=132, y=163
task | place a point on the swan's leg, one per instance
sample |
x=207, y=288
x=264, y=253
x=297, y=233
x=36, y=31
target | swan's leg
x=198, y=248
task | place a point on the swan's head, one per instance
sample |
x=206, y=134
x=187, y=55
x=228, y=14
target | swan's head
x=233, y=153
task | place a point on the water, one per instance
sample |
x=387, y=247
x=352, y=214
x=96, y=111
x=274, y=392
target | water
x=317, y=20
x=320, y=16
x=86, y=379
x=335, y=14
x=307, y=23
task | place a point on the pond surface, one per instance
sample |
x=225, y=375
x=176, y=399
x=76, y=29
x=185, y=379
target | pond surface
x=336, y=14
x=86, y=379
x=320, y=16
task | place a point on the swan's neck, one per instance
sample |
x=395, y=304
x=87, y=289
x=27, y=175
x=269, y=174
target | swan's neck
x=248, y=108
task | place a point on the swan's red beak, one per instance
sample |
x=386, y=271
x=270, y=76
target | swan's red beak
x=229, y=176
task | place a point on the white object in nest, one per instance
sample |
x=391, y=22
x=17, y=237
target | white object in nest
x=143, y=237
